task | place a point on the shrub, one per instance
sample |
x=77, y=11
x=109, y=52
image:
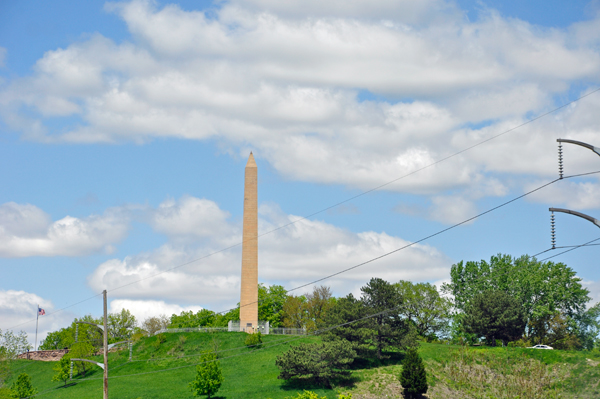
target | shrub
x=160, y=338
x=208, y=376
x=306, y=395
x=22, y=387
x=254, y=340
x=413, y=377
x=318, y=363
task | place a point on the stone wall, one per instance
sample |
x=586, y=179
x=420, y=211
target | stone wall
x=44, y=356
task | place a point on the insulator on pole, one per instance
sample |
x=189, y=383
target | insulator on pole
x=552, y=230
x=560, y=161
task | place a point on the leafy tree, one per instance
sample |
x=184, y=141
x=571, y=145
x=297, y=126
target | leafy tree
x=81, y=350
x=588, y=327
x=208, y=376
x=22, y=387
x=495, y=315
x=270, y=304
x=424, y=307
x=202, y=318
x=294, y=311
x=413, y=377
x=543, y=288
x=153, y=324
x=347, y=314
x=381, y=298
x=307, y=310
x=13, y=344
x=62, y=369
x=320, y=363
x=120, y=325
x=65, y=337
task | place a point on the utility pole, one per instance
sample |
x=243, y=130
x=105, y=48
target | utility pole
x=105, y=349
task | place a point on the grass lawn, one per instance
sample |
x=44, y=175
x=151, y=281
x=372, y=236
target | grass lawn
x=453, y=371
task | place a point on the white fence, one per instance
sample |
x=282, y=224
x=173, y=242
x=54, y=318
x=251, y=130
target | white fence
x=234, y=326
x=192, y=329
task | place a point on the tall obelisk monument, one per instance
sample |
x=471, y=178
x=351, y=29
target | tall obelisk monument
x=249, y=294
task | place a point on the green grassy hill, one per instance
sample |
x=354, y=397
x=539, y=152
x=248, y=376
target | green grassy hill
x=452, y=371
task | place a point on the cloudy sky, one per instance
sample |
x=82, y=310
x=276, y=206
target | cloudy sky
x=125, y=129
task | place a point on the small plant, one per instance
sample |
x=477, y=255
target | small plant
x=22, y=387
x=160, y=338
x=306, y=395
x=254, y=340
x=413, y=377
x=62, y=369
x=208, y=376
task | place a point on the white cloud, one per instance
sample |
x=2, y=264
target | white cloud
x=292, y=256
x=26, y=230
x=145, y=309
x=190, y=218
x=18, y=311
x=286, y=78
x=570, y=194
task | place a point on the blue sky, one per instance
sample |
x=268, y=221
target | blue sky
x=125, y=128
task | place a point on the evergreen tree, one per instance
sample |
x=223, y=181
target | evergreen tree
x=495, y=315
x=413, y=377
x=22, y=387
x=208, y=376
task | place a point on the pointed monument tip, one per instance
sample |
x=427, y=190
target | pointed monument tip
x=251, y=162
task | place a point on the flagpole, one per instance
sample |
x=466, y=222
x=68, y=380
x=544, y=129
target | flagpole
x=37, y=312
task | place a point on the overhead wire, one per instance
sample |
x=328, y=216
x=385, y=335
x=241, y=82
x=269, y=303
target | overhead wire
x=367, y=191
x=350, y=199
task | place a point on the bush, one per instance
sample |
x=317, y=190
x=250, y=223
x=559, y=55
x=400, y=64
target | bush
x=208, y=376
x=313, y=395
x=22, y=387
x=318, y=363
x=160, y=338
x=413, y=377
x=254, y=340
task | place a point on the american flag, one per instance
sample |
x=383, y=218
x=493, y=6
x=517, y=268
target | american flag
x=41, y=311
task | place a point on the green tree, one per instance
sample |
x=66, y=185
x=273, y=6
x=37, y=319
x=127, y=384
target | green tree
x=588, y=327
x=22, y=387
x=270, y=304
x=294, y=312
x=81, y=350
x=65, y=337
x=495, y=315
x=543, y=288
x=13, y=344
x=320, y=363
x=62, y=369
x=423, y=306
x=382, y=300
x=153, y=324
x=121, y=325
x=413, y=377
x=208, y=376
x=307, y=310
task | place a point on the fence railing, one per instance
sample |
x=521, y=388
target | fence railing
x=288, y=331
x=235, y=327
x=192, y=329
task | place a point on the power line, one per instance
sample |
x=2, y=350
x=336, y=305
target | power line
x=368, y=191
x=352, y=198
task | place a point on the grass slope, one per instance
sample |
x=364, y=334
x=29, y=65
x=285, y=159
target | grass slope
x=452, y=371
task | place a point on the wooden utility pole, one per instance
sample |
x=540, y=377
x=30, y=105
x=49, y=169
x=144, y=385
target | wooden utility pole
x=105, y=349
